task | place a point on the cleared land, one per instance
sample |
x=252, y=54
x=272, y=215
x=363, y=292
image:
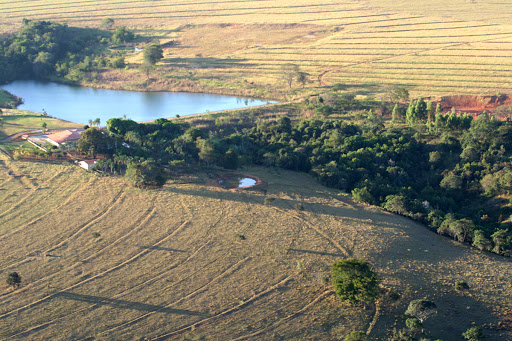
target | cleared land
x=169, y=263
x=431, y=47
x=18, y=121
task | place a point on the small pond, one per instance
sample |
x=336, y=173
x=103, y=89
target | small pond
x=237, y=182
x=79, y=104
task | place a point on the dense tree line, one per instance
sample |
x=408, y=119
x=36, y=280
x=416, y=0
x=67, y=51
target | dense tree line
x=455, y=177
x=52, y=51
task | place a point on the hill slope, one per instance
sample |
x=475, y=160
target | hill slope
x=170, y=263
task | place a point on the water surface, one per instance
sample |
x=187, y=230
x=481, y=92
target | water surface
x=80, y=104
x=237, y=182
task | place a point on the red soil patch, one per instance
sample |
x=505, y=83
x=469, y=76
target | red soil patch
x=472, y=104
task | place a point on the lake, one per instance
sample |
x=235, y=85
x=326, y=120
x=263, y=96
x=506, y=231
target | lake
x=80, y=104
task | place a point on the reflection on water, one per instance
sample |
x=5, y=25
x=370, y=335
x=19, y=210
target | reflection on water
x=79, y=104
x=237, y=182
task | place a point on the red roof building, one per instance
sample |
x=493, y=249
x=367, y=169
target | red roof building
x=69, y=135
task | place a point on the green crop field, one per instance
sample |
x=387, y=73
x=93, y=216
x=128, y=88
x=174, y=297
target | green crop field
x=103, y=261
x=432, y=48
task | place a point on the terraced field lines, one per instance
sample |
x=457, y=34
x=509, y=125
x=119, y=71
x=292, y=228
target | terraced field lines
x=286, y=319
x=226, y=312
x=119, y=295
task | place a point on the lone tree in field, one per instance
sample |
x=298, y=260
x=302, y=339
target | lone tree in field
x=152, y=54
x=14, y=280
x=421, y=309
x=289, y=72
x=355, y=281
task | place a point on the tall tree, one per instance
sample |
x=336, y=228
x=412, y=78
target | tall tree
x=430, y=111
x=420, y=109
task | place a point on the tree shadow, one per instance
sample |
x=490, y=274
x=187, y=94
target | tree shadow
x=161, y=248
x=249, y=196
x=122, y=304
x=208, y=62
x=318, y=253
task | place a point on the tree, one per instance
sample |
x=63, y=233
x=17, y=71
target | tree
x=462, y=229
x=410, y=115
x=93, y=141
x=145, y=174
x=473, y=334
x=420, y=109
x=289, y=72
x=481, y=242
x=501, y=241
x=44, y=125
x=207, y=151
x=430, y=111
x=152, y=54
x=355, y=281
x=14, y=280
x=122, y=35
x=397, y=115
x=146, y=68
x=421, y=309
x=231, y=160
x=397, y=93
x=302, y=77
x=356, y=336
x=107, y=24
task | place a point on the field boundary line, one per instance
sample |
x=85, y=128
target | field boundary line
x=121, y=294
x=321, y=233
x=143, y=218
x=229, y=270
x=118, y=266
x=32, y=191
x=226, y=312
x=66, y=201
x=295, y=314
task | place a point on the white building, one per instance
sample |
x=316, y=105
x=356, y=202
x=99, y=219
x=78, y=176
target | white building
x=87, y=164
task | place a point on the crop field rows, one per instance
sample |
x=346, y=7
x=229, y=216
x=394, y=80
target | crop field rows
x=105, y=261
x=373, y=42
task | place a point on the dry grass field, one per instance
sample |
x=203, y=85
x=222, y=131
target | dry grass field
x=170, y=263
x=431, y=47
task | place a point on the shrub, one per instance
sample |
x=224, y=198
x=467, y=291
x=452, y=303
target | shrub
x=363, y=195
x=96, y=234
x=461, y=285
x=299, y=207
x=473, y=334
x=413, y=323
x=355, y=281
x=239, y=236
x=356, y=336
x=14, y=280
x=421, y=309
x=268, y=201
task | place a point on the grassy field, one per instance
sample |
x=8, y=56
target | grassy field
x=239, y=46
x=169, y=263
x=16, y=121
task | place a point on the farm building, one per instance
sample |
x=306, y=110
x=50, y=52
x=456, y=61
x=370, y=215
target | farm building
x=87, y=164
x=64, y=136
